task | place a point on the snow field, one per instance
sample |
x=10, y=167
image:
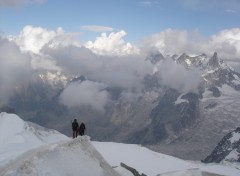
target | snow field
x=31, y=150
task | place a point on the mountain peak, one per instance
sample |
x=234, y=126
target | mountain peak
x=192, y=61
x=214, y=62
x=155, y=57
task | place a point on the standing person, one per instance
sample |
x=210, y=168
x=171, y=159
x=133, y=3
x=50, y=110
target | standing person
x=75, y=128
x=82, y=129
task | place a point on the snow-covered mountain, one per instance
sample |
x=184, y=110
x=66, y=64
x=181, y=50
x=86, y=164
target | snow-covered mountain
x=228, y=149
x=17, y=136
x=29, y=149
x=190, y=124
x=193, y=122
x=34, y=150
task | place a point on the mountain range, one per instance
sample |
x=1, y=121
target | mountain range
x=183, y=110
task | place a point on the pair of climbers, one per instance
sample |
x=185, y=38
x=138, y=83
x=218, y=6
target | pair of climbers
x=78, y=130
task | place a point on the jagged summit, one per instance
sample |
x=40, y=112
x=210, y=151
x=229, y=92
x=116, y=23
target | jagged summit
x=155, y=57
x=219, y=73
x=214, y=61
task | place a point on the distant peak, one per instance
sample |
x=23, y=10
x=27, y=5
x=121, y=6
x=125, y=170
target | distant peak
x=215, y=54
x=214, y=61
x=155, y=57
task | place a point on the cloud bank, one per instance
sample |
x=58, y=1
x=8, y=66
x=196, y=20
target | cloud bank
x=15, y=69
x=169, y=42
x=108, y=61
x=177, y=77
x=86, y=93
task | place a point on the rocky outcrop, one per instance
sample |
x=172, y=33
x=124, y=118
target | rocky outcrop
x=228, y=149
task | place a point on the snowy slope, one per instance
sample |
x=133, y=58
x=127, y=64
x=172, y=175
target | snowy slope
x=17, y=136
x=31, y=150
x=69, y=157
x=151, y=163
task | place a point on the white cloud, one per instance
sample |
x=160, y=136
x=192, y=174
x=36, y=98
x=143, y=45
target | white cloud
x=96, y=28
x=44, y=62
x=177, y=77
x=115, y=63
x=227, y=43
x=169, y=42
x=15, y=69
x=86, y=93
x=121, y=71
x=34, y=38
x=112, y=44
x=18, y=3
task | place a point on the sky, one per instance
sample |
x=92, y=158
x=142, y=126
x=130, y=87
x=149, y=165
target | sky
x=139, y=18
x=108, y=41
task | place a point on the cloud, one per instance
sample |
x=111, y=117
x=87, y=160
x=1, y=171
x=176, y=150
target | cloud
x=34, y=38
x=177, y=77
x=167, y=42
x=112, y=44
x=18, y=3
x=170, y=41
x=15, y=69
x=86, y=93
x=95, y=28
x=44, y=62
x=116, y=71
x=110, y=61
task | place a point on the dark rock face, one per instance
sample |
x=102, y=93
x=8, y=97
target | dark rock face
x=227, y=149
x=155, y=57
x=214, y=62
x=168, y=118
x=179, y=115
x=215, y=91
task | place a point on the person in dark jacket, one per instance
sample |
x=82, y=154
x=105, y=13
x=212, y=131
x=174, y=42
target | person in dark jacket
x=75, y=127
x=82, y=128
